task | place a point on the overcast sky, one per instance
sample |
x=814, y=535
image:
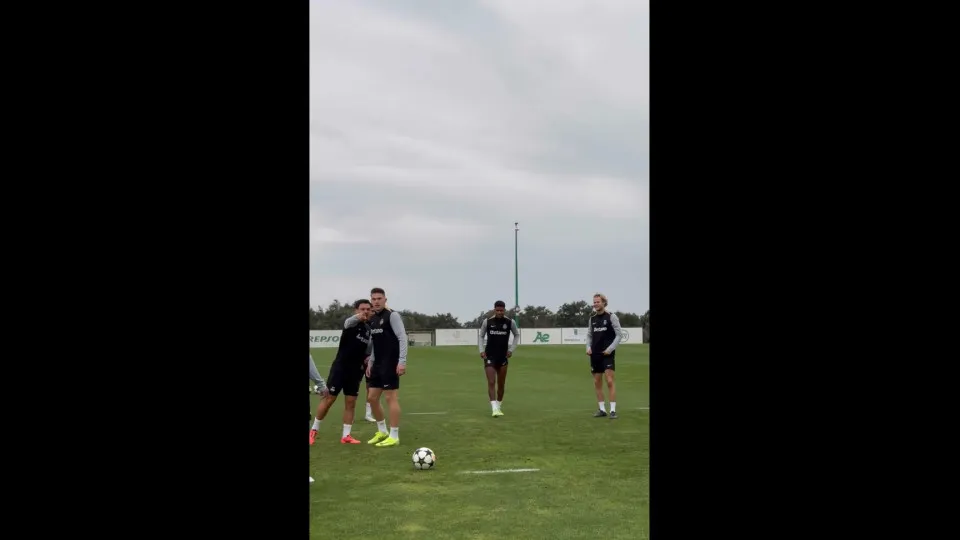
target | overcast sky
x=435, y=124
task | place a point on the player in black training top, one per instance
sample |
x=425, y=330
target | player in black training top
x=356, y=346
x=603, y=336
x=496, y=352
x=386, y=367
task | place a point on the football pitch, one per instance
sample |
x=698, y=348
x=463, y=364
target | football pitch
x=591, y=478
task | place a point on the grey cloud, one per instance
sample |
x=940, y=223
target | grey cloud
x=434, y=128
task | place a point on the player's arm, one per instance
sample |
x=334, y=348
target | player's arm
x=516, y=338
x=396, y=322
x=589, y=333
x=369, y=359
x=315, y=377
x=615, y=323
x=315, y=374
x=368, y=362
x=351, y=321
x=482, y=337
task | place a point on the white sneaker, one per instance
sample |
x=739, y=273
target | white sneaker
x=370, y=418
x=311, y=479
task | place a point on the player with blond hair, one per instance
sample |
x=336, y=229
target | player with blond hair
x=603, y=336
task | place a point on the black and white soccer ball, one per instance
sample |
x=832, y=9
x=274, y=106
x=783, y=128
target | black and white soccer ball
x=423, y=459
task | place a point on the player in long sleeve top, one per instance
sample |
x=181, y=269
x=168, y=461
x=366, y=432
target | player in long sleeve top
x=394, y=322
x=385, y=368
x=318, y=380
x=495, y=351
x=603, y=336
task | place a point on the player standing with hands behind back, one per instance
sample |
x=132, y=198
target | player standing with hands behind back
x=603, y=335
x=386, y=366
x=495, y=354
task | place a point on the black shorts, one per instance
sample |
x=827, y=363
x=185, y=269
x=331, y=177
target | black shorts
x=384, y=375
x=496, y=362
x=600, y=363
x=344, y=378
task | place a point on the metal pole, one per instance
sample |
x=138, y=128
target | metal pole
x=516, y=272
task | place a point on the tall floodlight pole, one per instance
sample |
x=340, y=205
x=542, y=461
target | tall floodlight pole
x=516, y=272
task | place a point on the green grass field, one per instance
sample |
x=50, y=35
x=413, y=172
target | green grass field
x=593, y=478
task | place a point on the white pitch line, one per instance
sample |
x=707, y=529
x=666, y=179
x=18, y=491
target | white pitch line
x=499, y=471
x=581, y=409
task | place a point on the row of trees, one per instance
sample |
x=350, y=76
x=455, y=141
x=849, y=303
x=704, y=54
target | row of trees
x=572, y=314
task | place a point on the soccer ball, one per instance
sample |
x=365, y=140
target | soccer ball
x=424, y=458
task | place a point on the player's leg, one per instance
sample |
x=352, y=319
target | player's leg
x=322, y=410
x=501, y=381
x=350, y=392
x=374, y=392
x=611, y=391
x=349, y=412
x=598, y=387
x=369, y=417
x=334, y=382
x=393, y=404
x=610, y=368
x=324, y=407
x=391, y=390
x=492, y=387
x=597, y=370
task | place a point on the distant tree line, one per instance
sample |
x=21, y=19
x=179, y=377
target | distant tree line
x=572, y=314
